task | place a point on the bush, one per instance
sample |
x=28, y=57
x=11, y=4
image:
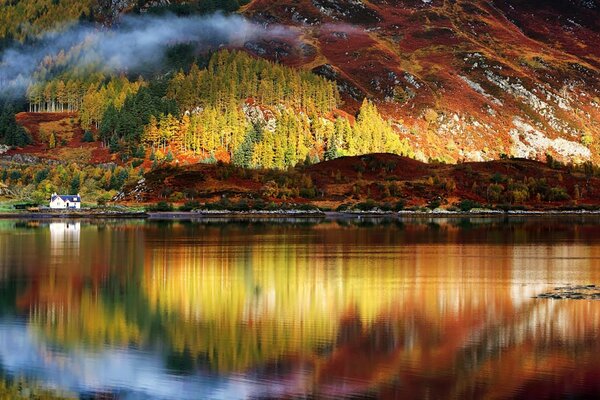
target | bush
x=368, y=205
x=558, y=194
x=242, y=205
x=306, y=207
x=494, y=192
x=498, y=178
x=259, y=204
x=176, y=197
x=161, y=206
x=431, y=116
x=342, y=207
x=102, y=200
x=190, y=206
x=360, y=167
x=308, y=193
x=433, y=204
x=467, y=205
x=88, y=137
x=400, y=205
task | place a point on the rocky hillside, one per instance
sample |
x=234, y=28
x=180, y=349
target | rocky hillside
x=465, y=79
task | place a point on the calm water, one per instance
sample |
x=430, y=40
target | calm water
x=432, y=309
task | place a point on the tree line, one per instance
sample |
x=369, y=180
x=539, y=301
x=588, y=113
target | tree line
x=11, y=133
x=249, y=111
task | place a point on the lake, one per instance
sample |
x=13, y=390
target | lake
x=408, y=309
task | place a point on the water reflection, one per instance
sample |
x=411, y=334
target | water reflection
x=436, y=308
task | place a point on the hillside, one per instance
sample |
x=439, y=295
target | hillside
x=465, y=80
x=437, y=81
x=69, y=143
x=383, y=180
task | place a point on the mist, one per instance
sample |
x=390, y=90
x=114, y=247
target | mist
x=136, y=41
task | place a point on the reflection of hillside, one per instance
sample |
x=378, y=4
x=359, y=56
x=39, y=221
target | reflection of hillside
x=410, y=310
x=433, y=289
x=88, y=320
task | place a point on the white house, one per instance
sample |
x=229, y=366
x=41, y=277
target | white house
x=64, y=202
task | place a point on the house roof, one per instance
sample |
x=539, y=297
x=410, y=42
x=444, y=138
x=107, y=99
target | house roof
x=73, y=199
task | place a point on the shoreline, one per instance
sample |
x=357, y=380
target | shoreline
x=300, y=214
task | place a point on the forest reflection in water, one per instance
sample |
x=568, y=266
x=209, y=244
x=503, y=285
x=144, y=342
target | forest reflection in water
x=414, y=308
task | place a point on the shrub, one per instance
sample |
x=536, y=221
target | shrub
x=433, y=204
x=467, y=205
x=242, y=205
x=360, y=167
x=190, y=206
x=88, y=137
x=161, y=206
x=368, y=205
x=306, y=207
x=400, y=205
x=386, y=207
x=520, y=196
x=308, y=193
x=342, y=207
x=177, y=196
x=431, y=116
x=587, y=140
x=102, y=200
x=494, y=192
x=259, y=204
x=498, y=178
x=558, y=194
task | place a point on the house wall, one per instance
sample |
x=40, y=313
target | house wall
x=59, y=204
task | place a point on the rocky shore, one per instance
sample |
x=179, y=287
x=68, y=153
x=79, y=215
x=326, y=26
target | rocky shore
x=293, y=213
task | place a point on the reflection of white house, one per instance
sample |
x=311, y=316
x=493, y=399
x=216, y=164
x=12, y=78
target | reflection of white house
x=64, y=242
x=62, y=202
x=65, y=231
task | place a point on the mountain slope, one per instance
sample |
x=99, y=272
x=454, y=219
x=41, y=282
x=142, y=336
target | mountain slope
x=464, y=79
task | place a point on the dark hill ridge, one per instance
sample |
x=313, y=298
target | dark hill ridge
x=381, y=178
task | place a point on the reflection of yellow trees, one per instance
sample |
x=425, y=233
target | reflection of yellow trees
x=267, y=300
x=22, y=389
x=370, y=304
x=90, y=322
x=237, y=315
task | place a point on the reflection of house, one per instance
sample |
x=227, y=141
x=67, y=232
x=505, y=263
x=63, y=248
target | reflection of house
x=64, y=239
x=63, y=202
x=65, y=231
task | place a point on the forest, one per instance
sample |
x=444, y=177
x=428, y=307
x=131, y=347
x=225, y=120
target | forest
x=97, y=184
x=238, y=109
x=22, y=20
x=224, y=106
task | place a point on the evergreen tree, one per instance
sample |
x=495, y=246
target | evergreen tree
x=114, y=145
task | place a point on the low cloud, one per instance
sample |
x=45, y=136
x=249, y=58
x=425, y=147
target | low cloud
x=136, y=41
